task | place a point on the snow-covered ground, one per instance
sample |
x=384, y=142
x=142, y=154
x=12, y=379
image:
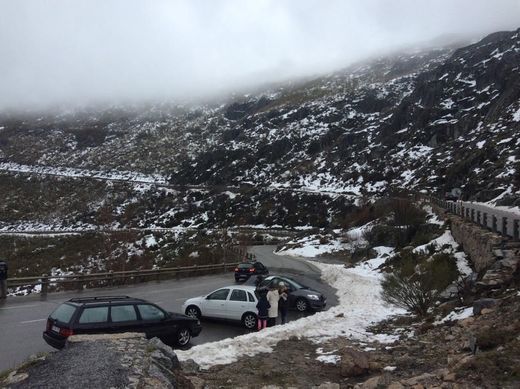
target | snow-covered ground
x=360, y=305
x=313, y=245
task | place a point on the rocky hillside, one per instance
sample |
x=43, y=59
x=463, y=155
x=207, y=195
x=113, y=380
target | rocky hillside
x=302, y=155
x=429, y=120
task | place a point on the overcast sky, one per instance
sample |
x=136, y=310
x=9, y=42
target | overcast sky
x=83, y=51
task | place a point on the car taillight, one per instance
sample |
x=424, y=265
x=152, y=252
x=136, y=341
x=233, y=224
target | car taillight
x=49, y=325
x=252, y=270
x=66, y=332
x=236, y=268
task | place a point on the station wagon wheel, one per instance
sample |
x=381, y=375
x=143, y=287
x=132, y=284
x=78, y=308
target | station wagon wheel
x=183, y=337
x=193, y=311
x=249, y=320
x=301, y=305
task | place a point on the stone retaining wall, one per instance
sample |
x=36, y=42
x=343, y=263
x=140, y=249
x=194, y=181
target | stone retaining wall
x=494, y=256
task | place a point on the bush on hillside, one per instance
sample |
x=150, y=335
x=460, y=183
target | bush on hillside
x=406, y=213
x=417, y=281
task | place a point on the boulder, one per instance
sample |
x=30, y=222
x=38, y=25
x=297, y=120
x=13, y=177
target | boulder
x=354, y=363
x=478, y=305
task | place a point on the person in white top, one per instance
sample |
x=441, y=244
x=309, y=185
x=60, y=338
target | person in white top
x=273, y=296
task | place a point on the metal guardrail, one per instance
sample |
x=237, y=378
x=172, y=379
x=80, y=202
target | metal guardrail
x=497, y=220
x=80, y=281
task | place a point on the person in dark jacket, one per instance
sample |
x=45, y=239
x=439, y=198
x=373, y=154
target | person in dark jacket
x=3, y=279
x=283, y=303
x=263, y=309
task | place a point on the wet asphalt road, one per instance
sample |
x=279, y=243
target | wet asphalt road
x=22, y=319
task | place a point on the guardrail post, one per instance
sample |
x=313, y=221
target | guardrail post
x=158, y=275
x=177, y=273
x=79, y=285
x=485, y=219
x=504, y=226
x=494, y=224
x=478, y=218
x=45, y=285
x=516, y=228
x=110, y=278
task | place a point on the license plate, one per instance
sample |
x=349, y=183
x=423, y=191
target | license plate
x=55, y=329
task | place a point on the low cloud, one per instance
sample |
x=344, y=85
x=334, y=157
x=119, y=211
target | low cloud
x=90, y=51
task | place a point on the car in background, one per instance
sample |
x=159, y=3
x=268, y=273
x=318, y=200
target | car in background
x=301, y=297
x=116, y=314
x=237, y=303
x=245, y=270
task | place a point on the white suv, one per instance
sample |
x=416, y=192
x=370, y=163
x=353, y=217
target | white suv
x=231, y=303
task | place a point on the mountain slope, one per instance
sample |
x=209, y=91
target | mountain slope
x=422, y=121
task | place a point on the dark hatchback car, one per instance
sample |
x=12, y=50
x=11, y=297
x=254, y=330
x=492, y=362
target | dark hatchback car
x=247, y=269
x=301, y=297
x=116, y=314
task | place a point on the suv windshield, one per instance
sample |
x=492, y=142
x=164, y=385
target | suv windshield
x=63, y=313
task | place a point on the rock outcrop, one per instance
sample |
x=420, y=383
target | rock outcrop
x=126, y=360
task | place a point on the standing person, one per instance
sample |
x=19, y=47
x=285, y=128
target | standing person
x=273, y=296
x=263, y=309
x=283, y=303
x=3, y=279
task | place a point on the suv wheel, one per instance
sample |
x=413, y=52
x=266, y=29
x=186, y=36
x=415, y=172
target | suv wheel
x=302, y=305
x=183, y=337
x=249, y=320
x=193, y=311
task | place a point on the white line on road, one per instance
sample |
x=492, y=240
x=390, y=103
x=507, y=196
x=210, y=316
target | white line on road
x=31, y=321
x=19, y=307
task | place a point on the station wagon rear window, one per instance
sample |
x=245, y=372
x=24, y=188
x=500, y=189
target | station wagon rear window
x=63, y=313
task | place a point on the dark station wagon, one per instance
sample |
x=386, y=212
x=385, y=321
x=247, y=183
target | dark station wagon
x=116, y=314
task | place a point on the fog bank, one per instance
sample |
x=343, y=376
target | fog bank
x=90, y=51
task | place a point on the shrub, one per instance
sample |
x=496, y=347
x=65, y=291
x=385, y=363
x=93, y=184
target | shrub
x=406, y=213
x=383, y=235
x=411, y=293
x=417, y=282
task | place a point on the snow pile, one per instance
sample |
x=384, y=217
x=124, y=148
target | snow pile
x=359, y=306
x=327, y=358
x=311, y=247
x=446, y=244
x=457, y=314
x=316, y=245
x=443, y=242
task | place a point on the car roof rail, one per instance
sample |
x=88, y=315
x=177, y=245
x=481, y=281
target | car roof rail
x=96, y=298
